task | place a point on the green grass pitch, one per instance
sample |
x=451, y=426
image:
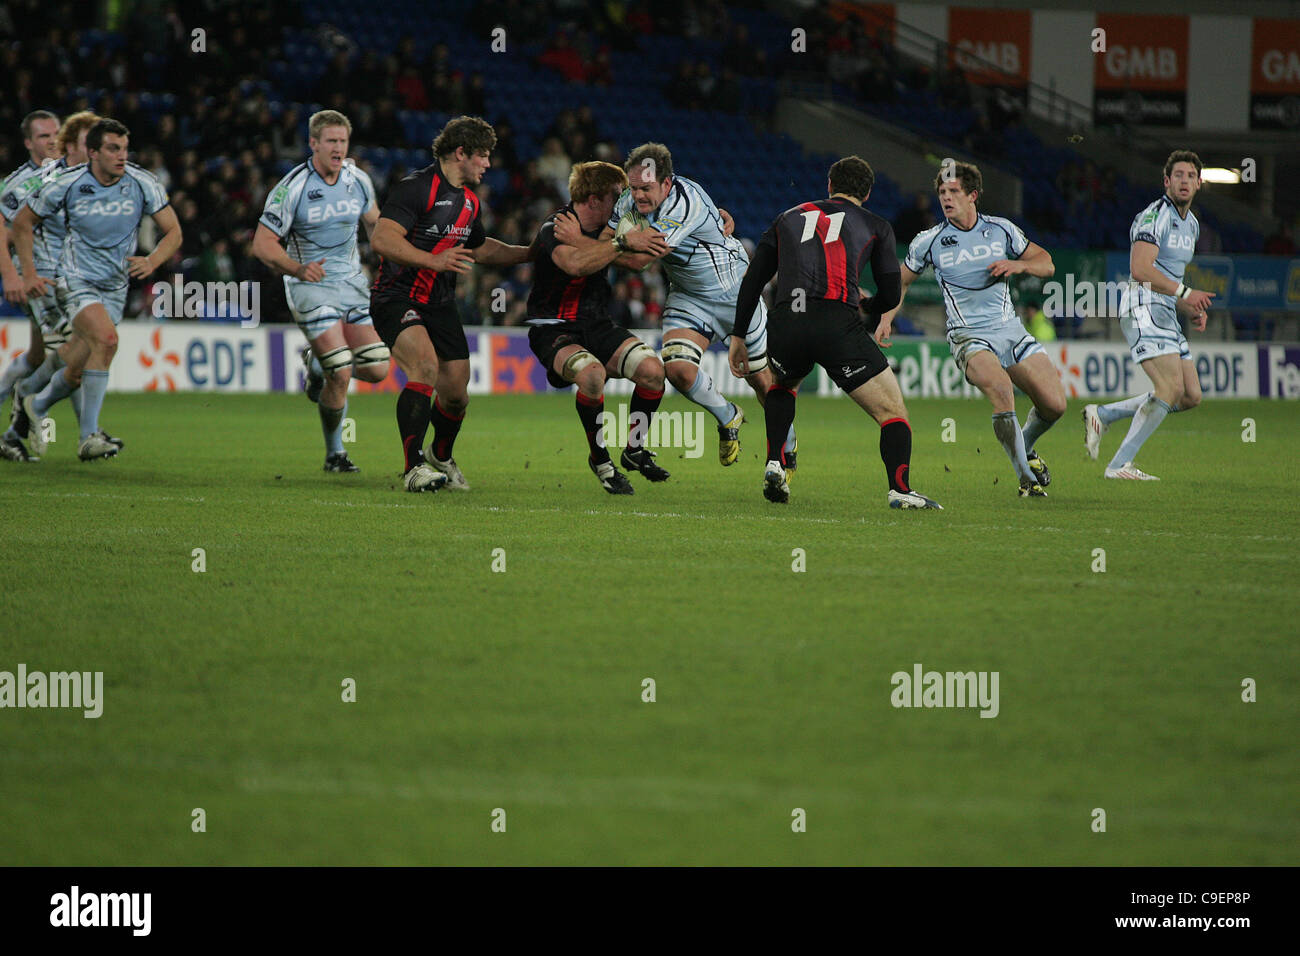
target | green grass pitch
x=522, y=689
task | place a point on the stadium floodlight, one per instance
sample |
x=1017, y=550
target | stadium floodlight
x=1218, y=174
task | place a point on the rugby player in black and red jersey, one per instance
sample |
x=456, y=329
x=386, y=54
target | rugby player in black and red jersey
x=428, y=233
x=817, y=251
x=570, y=330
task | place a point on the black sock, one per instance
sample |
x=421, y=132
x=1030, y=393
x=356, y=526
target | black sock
x=445, y=430
x=589, y=410
x=896, y=452
x=645, y=402
x=779, y=412
x=413, y=420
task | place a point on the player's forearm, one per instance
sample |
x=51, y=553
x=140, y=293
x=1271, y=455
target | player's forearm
x=496, y=253
x=276, y=259
x=1145, y=272
x=587, y=255
x=1041, y=266
x=24, y=243
x=400, y=252
x=166, y=248
x=889, y=294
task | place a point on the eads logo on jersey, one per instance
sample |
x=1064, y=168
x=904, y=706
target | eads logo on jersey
x=973, y=254
x=161, y=378
x=344, y=207
x=100, y=207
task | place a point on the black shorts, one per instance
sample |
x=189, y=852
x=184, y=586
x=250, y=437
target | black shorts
x=602, y=339
x=827, y=334
x=442, y=322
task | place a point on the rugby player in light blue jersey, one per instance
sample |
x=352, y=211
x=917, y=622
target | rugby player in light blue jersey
x=62, y=345
x=315, y=209
x=704, y=266
x=40, y=137
x=973, y=256
x=102, y=204
x=1163, y=240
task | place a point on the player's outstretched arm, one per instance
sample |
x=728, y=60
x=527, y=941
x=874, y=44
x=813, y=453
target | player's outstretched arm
x=23, y=237
x=1142, y=266
x=138, y=267
x=644, y=246
x=493, y=252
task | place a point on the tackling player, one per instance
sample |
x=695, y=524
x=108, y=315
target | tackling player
x=40, y=137
x=428, y=233
x=315, y=209
x=974, y=255
x=1163, y=241
x=817, y=250
x=704, y=266
x=102, y=204
x=572, y=334
x=48, y=309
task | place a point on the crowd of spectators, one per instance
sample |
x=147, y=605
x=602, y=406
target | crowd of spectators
x=222, y=142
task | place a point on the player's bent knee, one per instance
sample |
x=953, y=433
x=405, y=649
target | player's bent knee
x=634, y=357
x=335, y=361
x=591, y=380
x=577, y=365
x=371, y=362
x=650, y=374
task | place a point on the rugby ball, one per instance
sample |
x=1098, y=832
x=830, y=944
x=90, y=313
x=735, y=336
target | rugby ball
x=631, y=221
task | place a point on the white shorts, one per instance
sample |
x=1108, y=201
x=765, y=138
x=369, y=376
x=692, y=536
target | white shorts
x=1152, y=330
x=714, y=320
x=1011, y=344
x=75, y=294
x=316, y=306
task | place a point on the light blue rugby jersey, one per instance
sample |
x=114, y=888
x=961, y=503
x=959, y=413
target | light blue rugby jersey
x=47, y=237
x=973, y=298
x=320, y=220
x=704, y=263
x=101, y=222
x=1175, y=236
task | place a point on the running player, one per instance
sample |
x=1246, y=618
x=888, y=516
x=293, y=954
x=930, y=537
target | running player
x=974, y=255
x=817, y=250
x=428, y=233
x=572, y=334
x=315, y=209
x=102, y=204
x=704, y=267
x=1163, y=240
x=40, y=137
x=62, y=346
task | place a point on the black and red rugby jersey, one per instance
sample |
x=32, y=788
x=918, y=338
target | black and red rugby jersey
x=822, y=247
x=436, y=216
x=556, y=295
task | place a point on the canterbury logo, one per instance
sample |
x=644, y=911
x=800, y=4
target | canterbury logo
x=410, y=316
x=315, y=194
x=948, y=241
x=87, y=189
